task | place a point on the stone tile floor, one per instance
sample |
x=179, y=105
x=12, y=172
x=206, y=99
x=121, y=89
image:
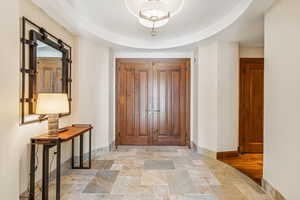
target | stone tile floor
x=157, y=173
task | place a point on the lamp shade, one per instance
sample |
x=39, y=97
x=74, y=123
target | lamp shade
x=52, y=103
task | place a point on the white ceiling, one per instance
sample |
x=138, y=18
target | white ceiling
x=196, y=15
x=110, y=21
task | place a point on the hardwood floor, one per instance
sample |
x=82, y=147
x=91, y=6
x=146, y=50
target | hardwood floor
x=249, y=164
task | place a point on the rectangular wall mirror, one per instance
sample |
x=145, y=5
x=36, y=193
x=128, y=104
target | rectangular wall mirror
x=46, y=68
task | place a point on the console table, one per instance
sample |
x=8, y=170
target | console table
x=76, y=130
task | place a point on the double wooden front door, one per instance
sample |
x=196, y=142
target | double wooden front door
x=251, y=105
x=153, y=101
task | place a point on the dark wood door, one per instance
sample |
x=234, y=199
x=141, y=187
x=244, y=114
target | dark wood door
x=152, y=102
x=170, y=92
x=251, y=105
x=134, y=91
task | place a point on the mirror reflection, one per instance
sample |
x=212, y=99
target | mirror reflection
x=49, y=69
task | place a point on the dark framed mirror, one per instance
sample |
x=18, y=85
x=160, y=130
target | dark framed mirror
x=46, y=68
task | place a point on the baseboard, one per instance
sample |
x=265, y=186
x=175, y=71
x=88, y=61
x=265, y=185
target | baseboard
x=194, y=147
x=270, y=190
x=204, y=151
x=227, y=154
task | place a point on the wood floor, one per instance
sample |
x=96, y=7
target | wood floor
x=249, y=164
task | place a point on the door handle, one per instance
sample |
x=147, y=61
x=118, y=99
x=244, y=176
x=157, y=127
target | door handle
x=156, y=111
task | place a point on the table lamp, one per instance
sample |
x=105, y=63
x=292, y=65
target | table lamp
x=52, y=104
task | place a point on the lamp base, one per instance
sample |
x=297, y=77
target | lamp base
x=53, y=125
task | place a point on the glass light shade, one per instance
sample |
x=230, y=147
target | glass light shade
x=154, y=10
x=174, y=6
x=154, y=13
x=150, y=24
x=52, y=103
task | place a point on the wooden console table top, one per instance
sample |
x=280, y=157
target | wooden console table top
x=72, y=132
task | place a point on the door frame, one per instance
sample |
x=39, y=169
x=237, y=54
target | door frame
x=241, y=64
x=188, y=104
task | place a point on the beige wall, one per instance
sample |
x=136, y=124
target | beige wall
x=251, y=52
x=30, y=11
x=217, y=99
x=228, y=96
x=282, y=98
x=14, y=142
x=90, y=89
x=208, y=97
x=9, y=100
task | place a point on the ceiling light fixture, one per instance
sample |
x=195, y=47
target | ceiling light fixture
x=154, y=14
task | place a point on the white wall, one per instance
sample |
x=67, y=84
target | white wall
x=251, y=52
x=29, y=10
x=112, y=93
x=208, y=97
x=92, y=81
x=92, y=90
x=195, y=95
x=218, y=96
x=228, y=96
x=9, y=87
x=282, y=98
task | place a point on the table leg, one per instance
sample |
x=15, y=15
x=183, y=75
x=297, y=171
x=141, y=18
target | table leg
x=90, y=149
x=72, y=158
x=32, y=172
x=45, y=183
x=81, y=151
x=58, y=162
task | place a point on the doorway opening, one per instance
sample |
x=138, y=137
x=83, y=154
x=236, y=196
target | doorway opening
x=250, y=157
x=251, y=105
x=153, y=102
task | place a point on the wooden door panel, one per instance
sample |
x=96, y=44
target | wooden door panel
x=170, y=98
x=251, y=105
x=134, y=95
x=168, y=102
x=142, y=103
x=152, y=102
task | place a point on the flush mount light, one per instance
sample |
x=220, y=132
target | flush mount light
x=154, y=14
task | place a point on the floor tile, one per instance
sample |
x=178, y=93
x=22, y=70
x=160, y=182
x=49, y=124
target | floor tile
x=159, y=165
x=156, y=173
x=150, y=177
x=102, y=164
x=180, y=182
x=102, y=182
